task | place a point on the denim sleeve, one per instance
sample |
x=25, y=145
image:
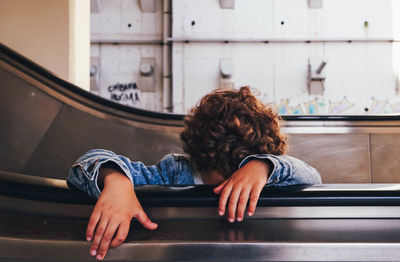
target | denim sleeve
x=84, y=172
x=286, y=170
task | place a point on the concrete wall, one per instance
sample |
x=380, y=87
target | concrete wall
x=55, y=34
x=124, y=36
x=267, y=44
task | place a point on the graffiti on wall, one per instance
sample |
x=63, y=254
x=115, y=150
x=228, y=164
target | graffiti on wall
x=284, y=108
x=340, y=107
x=309, y=107
x=396, y=107
x=124, y=93
x=377, y=106
x=315, y=106
x=312, y=107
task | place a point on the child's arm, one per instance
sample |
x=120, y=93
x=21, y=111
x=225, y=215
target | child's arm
x=111, y=217
x=109, y=177
x=253, y=174
x=84, y=172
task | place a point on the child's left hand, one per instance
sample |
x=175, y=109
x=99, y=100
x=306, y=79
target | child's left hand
x=245, y=183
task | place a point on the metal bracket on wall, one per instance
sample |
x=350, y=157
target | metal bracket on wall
x=95, y=6
x=146, y=74
x=227, y=4
x=148, y=6
x=95, y=74
x=397, y=90
x=226, y=69
x=316, y=78
x=315, y=3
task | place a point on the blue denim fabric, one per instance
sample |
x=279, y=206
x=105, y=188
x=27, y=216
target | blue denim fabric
x=174, y=169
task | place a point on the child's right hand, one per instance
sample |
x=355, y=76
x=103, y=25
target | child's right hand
x=111, y=217
x=244, y=186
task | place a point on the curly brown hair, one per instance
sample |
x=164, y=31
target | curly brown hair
x=226, y=127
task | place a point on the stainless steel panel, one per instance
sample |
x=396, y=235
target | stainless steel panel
x=44, y=238
x=74, y=132
x=26, y=113
x=385, y=161
x=62, y=250
x=340, y=158
x=372, y=128
x=301, y=212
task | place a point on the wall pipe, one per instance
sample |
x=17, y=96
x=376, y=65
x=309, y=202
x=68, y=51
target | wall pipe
x=167, y=56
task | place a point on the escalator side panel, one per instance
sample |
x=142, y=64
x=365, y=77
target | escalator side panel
x=75, y=132
x=26, y=114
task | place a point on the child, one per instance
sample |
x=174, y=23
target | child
x=232, y=140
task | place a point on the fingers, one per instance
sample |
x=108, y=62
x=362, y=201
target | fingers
x=218, y=189
x=145, y=221
x=243, y=199
x=255, y=194
x=94, y=219
x=106, y=239
x=223, y=199
x=233, y=200
x=238, y=199
x=106, y=229
x=120, y=237
x=101, y=227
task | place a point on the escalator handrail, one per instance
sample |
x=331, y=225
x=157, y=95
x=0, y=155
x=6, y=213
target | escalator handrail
x=56, y=190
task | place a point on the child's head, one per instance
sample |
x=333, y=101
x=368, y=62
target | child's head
x=227, y=126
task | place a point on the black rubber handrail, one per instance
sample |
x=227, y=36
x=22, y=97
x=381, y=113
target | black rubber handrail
x=12, y=55
x=55, y=190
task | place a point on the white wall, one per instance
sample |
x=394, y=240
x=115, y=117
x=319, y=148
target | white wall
x=119, y=78
x=359, y=75
x=123, y=35
x=267, y=43
x=262, y=19
x=124, y=20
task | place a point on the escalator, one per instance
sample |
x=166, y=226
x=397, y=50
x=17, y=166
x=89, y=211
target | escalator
x=47, y=122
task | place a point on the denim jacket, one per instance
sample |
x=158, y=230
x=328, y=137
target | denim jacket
x=175, y=169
